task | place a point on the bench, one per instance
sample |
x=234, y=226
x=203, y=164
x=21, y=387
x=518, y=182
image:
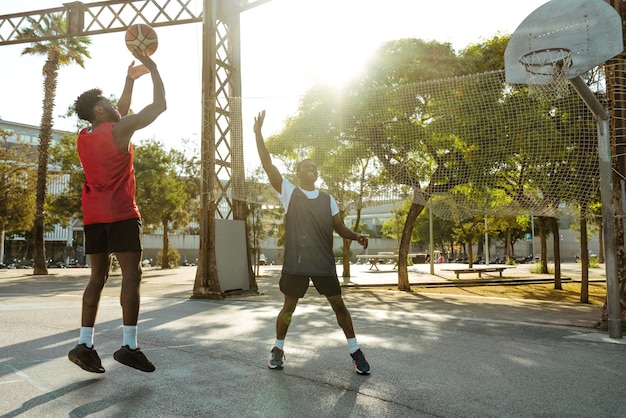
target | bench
x=478, y=270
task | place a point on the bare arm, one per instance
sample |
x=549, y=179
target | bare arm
x=347, y=233
x=276, y=179
x=124, y=129
x=134, y=72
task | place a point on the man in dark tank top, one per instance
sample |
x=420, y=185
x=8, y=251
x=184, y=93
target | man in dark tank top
x=311, y=217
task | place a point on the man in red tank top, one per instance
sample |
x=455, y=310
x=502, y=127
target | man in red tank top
x=111, y=217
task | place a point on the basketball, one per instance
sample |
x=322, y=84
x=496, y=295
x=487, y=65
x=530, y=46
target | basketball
x=142, y=36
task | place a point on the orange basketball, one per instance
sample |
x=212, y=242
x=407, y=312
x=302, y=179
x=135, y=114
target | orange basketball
x=142, y=36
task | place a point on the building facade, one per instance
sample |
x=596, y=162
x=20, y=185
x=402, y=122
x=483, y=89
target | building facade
x=63, y=243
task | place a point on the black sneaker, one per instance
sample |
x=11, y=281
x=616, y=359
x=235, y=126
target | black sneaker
x=276, y=359
x=86, y=358
x=362, y=366
x=133, y=358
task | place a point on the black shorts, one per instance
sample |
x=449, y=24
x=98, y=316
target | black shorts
x=114, y=237
x=296, y=286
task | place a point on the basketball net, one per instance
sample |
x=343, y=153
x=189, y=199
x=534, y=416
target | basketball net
x=547, y=63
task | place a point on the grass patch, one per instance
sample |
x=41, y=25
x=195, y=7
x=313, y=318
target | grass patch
x=546, y=292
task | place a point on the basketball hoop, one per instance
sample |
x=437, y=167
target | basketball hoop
x=546, y=71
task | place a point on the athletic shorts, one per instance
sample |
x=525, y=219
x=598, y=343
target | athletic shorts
x=296, y=286
x=114, y=237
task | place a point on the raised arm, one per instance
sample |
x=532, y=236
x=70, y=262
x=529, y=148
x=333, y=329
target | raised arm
x=133, y=73
x=124, y=129
x=276, y=179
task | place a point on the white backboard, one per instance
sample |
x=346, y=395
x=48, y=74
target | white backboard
x=590, y=29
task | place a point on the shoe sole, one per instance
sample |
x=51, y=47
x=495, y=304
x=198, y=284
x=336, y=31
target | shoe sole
x=269, y=366
x=133, y=366
x=85, y=366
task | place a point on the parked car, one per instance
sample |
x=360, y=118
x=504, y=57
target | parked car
x=262, y=260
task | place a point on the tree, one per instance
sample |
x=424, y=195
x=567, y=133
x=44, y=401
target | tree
x=509, y=230
x=470, y=231
x=161, y=191
x=384, y=115
x=392, y=228
x=442, y=230
x=63, y=155
x=59, y=52
x=485, y=56
x=17, y=187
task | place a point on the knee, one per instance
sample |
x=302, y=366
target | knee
x=132, y=275
x=287, y=310
x=341, y=310
x=339, y=307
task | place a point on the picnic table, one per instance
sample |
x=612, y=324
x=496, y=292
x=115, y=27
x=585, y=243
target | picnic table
x=375, y=259
x=385, y=258
x=479, y=270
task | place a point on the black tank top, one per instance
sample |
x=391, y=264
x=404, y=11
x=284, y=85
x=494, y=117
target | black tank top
x=309, y=231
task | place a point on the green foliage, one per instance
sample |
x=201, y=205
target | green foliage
x=411, y=60
x=538, y=268
x=167, y=190
x=485, y=56
x=392, y=227
x=173, y=258
x=442, y=230
x=60, y=206
x=470, y=230
x=17, y=184
x=162, y=191
x=68, y=50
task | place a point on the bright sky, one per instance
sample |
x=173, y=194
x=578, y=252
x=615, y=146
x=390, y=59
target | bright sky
x=287, y=47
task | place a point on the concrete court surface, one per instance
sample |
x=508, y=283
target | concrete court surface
x=431, y=355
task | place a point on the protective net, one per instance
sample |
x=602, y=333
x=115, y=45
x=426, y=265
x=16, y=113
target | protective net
x=461, y=146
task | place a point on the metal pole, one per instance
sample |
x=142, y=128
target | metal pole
x=608, y=211
x=486, y=243
x=532, y=235
x=431, y=241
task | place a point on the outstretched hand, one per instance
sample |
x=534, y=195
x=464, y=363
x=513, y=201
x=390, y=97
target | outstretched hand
x=136, y=71
x=258, y=122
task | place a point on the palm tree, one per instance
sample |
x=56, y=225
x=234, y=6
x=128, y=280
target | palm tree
x=58, y=52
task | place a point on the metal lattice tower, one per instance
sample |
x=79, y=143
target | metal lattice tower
x=222, y=137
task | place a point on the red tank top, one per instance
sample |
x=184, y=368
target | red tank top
x=109, y=188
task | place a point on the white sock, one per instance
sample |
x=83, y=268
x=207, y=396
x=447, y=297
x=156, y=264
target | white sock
x=129, y=336
x=279, y=343
x=352, y=345
x=86, y=336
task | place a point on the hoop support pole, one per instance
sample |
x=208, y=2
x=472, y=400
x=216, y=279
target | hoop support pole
x=608, y=210
x=588, y=97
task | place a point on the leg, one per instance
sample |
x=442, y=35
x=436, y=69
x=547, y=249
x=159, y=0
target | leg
x=284, y=316
x=130, y=264
x=343, y=315
x=84, y=355
x=100, y=264
x=345, y=322
x=283, y=321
